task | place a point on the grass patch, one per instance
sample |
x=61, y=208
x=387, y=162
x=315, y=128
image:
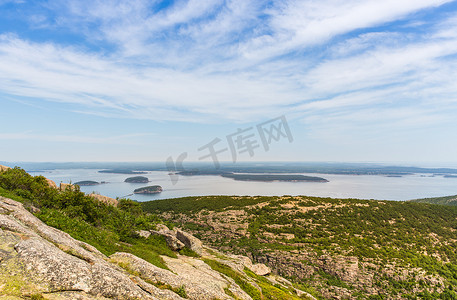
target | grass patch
x=244, y=285
x=188, y=252
x=181, y=291
x=269, y=291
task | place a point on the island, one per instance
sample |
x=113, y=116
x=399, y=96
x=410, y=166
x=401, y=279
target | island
x=253, y=177
x=87, y=183
x=137, y=179
x=121, y=171
x=273, y=177
x=202, y=172
x=154, y=189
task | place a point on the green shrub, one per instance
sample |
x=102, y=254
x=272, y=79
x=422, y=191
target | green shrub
x=244, y=285
x=109, y=229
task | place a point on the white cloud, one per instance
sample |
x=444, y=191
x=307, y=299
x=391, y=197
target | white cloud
x=299, y=24
x=66, y=75
x=29, y=136
x=205, y=61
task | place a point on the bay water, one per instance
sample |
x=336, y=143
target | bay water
x=378, y=187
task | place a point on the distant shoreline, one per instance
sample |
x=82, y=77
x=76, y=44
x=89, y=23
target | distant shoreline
x=199, y=168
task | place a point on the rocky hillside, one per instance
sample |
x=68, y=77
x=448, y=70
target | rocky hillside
x=120, y=253
x=340, y=248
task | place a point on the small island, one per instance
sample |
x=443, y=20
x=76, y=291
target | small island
x=137, y=179
x=87, y=183
x=450, y=176
x=155, y=189
x=274, y=177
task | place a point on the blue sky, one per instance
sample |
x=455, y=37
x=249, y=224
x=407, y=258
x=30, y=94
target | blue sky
x=363, y=80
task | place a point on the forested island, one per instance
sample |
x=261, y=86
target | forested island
x=253, y=177
x=273, y=177
x=121, y=171
x=154, y=189
x=87, y=183
x=137, y=179
x=202, y=172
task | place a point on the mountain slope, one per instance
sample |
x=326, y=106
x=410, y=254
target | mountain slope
x=339, y=247
x=112, y=252
x=448, y=200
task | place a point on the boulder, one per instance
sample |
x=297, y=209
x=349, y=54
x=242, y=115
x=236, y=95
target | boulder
x=51, y=183
x=260, y=269
x=4, y=168
x=239, y=262
x=173, y=243
x=143, y=233
x=104, y=199
x=190, y=241
x=64, y=186
x=163, y=228
x=170, y=237
x=200, y=281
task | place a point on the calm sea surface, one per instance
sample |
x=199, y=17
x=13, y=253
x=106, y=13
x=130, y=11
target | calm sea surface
x=339, y=186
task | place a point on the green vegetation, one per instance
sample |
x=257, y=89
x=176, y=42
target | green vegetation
x=122, y=171
x=448, y=200
x=382, y=238
x=154, y=189
x=360, y=248
x=110, y=229
x=275, y=177
x=181, y=291
x=238, y=278
x=277, y=292
x=188, y=252
x=87, y=183
x=137, y=179
x=253, y=177
x=189, y=205
x=268, y=291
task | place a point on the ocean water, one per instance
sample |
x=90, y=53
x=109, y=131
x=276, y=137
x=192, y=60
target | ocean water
x=339, y=186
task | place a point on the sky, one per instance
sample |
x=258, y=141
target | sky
x=138, y=80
